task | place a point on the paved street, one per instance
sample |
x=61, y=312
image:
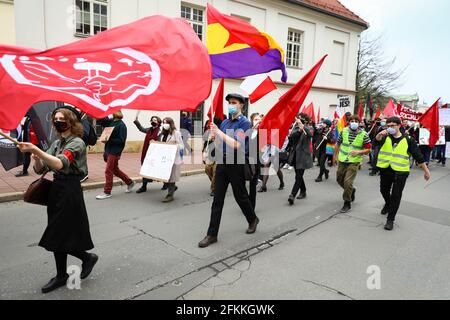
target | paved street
x=148, y=249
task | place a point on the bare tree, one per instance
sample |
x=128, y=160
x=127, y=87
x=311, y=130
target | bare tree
x=376, y=75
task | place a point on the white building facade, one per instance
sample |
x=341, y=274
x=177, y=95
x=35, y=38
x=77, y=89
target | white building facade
x=305, y=29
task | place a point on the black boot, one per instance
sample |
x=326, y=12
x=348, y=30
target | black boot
x=346, y=208
x=291, y=199
x=327, y=172
x=281, y=187
x=87, y=266
x=384, y=211
x=141, y=189
x=302, y=195
x=55, y=283
x=319, y=179
x=389, y=225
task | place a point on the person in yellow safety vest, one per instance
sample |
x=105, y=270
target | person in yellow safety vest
x=353, y=143
x=393, y=162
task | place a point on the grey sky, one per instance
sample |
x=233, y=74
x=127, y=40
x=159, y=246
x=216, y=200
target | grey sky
x=417, y=32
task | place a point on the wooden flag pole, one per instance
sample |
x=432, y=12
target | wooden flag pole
x=9, y=138
x=324, y=138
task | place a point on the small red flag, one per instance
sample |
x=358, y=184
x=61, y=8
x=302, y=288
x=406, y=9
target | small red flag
x=309, y=110
x=430, y=120
x=283, y=113
x=217, y=106
x=318, y=115
x=360, y=110
x=378, y=114
x=391, y=109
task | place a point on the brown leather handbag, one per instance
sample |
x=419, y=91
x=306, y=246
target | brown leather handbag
x=38, y=191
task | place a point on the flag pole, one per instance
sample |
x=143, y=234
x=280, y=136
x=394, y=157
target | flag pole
x=324, y=138
x=9, y=138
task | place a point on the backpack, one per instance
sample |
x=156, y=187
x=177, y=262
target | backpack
x=89, y=134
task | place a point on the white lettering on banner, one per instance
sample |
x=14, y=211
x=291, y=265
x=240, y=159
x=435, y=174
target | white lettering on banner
x=408, y=114
x=94, y=82
x=159, y=161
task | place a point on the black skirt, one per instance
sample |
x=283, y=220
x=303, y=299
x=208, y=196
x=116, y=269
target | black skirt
x=68, y=224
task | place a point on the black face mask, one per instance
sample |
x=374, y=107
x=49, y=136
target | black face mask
x=61, y=126
x=154, y=124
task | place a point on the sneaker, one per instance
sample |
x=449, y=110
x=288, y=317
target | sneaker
x=286, y=166
x=22, y=174
x=168, y=198
x=130, y=187
x=301, y=196
x=389, y=225
x=84, y=178
x=103, y=196
x=290, y=168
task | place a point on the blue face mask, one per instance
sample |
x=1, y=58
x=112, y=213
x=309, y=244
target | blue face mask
x=232, y=109
x=354, y=125
x=392, y=131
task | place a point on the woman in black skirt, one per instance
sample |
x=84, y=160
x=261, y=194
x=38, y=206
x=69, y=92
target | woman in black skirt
x=67, y=230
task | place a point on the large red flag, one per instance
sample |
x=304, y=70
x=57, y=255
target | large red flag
x=283, y=113
x=217, y=106
x=360, y=111
x=155, y=63
x=430, y=120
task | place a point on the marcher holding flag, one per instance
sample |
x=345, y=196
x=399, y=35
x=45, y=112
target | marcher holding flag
x=393, y=162
x=67, y=230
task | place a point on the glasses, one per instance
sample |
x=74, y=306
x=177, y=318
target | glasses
x=392, y=125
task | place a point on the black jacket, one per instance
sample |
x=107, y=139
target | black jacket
x=116, y=142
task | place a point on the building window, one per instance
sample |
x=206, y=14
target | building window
x=338, y=58
x=195, y=17
x=294, y=52
x=91, y=17
x=241, y=17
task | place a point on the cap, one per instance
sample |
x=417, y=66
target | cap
x=327, y=122
x=236, y=96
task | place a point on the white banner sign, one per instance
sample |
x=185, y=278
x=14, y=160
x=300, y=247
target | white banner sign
x=447, y=150
x=159, y=161
x=444, y=117
x=424, y=137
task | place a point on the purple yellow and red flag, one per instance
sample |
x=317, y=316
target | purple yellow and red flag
x=237, y=49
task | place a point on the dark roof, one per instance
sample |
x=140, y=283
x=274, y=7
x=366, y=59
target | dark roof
x=332, y=7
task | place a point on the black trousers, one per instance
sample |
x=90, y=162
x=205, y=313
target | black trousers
x=61, y=260
x=391, y=187
x=322, y=162
x=229, y=174
x=253, y=184
x=299, y=182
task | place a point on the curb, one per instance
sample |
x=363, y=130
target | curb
x=17, y=196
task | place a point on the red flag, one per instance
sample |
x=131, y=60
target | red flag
x=217, y=106
x=430, y=120
x=283, y=113
x=240, y=31
x=390, y=110
x=318, y=115
x=378, y=114
x=360, y=110
x=335, y=116
x=258, y=86
x=309, y=110
x=155, y=63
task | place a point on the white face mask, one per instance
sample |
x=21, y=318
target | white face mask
x=166, y=126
